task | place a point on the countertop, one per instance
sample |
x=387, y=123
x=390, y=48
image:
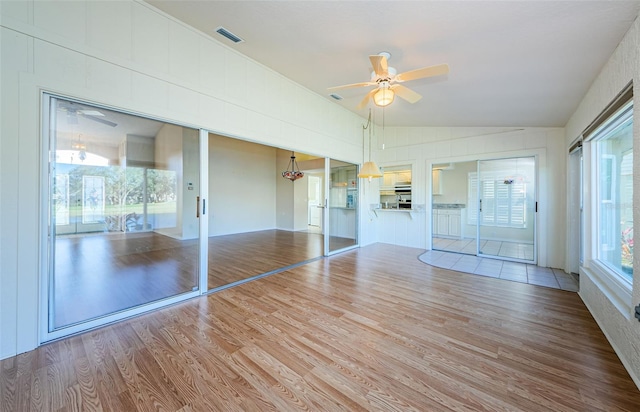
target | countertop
x=449, y=206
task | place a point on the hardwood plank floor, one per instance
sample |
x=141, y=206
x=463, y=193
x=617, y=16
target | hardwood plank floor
x=99, y=274
x=368, y=329
x=245, y=255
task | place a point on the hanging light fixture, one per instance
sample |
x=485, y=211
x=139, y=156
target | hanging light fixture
x=293, y=172
x=369, y=169
x=384, y=96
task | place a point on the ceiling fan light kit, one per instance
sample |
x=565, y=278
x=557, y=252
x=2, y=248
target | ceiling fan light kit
x=384, y=96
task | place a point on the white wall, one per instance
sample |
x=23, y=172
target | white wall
x=425, y=146
x=127, y=55
x=242, y=186
x=622, y=329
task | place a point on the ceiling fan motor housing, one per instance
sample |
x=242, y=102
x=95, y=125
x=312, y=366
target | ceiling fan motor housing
x=391, y=73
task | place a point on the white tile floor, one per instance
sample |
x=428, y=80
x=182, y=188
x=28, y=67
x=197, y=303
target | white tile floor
x=488, y=247
x=517, y=272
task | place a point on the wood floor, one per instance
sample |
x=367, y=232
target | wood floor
x=99, y=274
x=245, y=255
x=369, y=329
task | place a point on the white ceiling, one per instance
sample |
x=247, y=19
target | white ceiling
x=512, y=63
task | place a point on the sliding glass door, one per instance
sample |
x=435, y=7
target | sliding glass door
x=342, y=216
x=486, y=208
x=123, y=199
x=506, y=208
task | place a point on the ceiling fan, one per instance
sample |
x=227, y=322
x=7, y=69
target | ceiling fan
x=73, y=111
x=388, y=81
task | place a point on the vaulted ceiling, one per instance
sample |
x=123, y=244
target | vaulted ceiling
x=512, y=63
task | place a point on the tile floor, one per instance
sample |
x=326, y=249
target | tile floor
x=514, y=271
x=488, y=247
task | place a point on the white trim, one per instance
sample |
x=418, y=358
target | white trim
x=203, y=282
x=611, y=285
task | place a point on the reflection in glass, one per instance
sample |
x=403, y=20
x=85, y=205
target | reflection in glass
x=615, y=199
x=123, y=198
x=343, y=198
x=259, y=222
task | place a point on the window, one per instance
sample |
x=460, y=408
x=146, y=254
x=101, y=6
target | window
x=613, y=161
x=503, y=200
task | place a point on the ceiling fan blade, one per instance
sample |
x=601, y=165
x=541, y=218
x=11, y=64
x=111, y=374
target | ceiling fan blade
x=379, y=64
x=430, y=71
x=99, y=120
x=351, y=86
x=406, y=93
x=364, y=101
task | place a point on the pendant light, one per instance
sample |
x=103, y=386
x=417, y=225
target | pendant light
x=293, y=172
x=369, y=169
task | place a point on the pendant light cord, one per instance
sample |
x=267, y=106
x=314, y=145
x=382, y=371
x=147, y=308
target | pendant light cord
x=365, y=127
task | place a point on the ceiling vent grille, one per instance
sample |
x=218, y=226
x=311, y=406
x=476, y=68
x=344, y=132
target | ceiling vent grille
x=226, y=33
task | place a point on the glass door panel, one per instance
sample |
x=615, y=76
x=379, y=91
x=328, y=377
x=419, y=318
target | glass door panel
x=505, y=190
x=342, y=207
x=259, y=221
x=124, y=229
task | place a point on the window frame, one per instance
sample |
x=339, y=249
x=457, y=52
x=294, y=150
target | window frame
x=616, y=286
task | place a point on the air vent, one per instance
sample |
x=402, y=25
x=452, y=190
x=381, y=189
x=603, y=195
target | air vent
x=226, y=33
x=336, y=96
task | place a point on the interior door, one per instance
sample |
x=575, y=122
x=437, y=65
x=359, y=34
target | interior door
x=506, y=209
x=341, y=213
x=315, y=201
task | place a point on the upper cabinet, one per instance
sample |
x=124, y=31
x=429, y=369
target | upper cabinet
x=436, y=181
x=396, y=176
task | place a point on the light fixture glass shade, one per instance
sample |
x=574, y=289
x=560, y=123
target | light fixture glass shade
x=384, y=96
x=369, y=169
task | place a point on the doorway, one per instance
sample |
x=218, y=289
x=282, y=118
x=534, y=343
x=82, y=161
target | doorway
x=316, y=204
x=486, y=208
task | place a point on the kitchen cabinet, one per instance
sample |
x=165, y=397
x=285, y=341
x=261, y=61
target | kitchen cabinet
x=396, y=187
x=393, y=178
x=447, y=222
x=436, y=179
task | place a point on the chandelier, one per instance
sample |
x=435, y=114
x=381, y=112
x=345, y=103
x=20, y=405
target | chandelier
x=293, y=171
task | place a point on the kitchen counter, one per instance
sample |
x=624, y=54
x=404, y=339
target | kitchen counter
x=449, y=206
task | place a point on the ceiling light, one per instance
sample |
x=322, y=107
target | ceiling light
x=384, y=96
x=293, y=172
x=369, y=169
